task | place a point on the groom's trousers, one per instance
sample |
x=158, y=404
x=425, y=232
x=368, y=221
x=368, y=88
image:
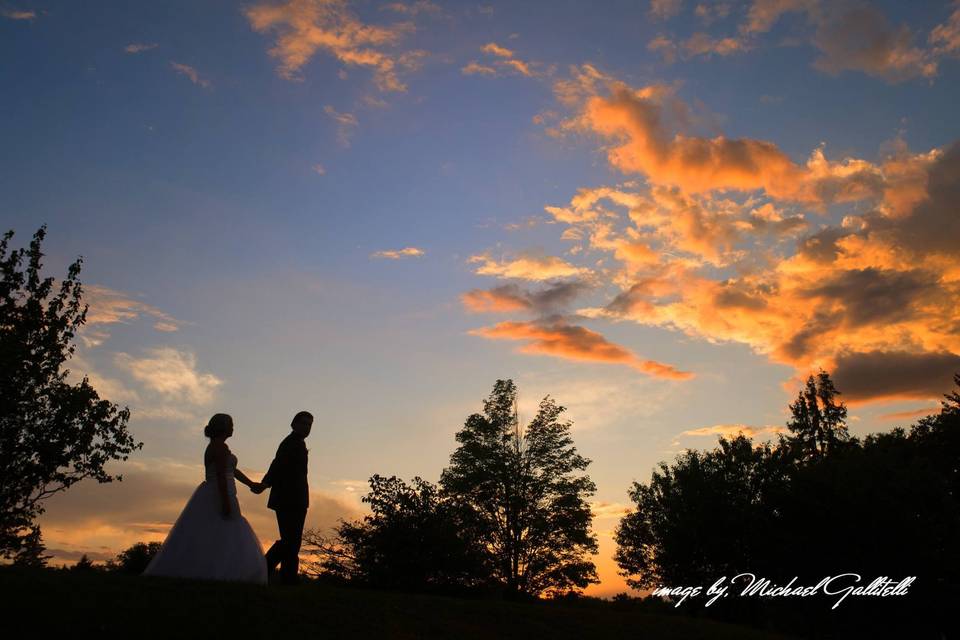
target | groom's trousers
x=286, y=550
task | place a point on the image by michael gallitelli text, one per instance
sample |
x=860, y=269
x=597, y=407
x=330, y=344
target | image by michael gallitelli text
x=746, y=585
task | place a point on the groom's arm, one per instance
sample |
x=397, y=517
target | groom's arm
x=279, y=461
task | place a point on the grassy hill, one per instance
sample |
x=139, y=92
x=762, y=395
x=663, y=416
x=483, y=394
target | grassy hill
x=46, y=602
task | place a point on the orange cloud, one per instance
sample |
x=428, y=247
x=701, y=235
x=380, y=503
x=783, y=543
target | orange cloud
x=505, y=62
x=304, y=27
x=475, y=68
x=717, y=242
x=573, y=342
x=733, y=430
x=496, y=50
x=527, y=267
x=644, y=133
x=945, y=38
x=107, y=306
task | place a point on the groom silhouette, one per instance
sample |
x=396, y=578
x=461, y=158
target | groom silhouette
x=289, y=497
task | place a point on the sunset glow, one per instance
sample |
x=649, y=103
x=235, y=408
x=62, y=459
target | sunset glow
x=663, y=214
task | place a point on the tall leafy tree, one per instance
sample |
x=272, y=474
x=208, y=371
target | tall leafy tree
x=52, y=433
x=818, y=419
x=526, y=493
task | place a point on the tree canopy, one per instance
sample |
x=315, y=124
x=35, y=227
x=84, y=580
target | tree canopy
x=52, y=433
x=528, y=499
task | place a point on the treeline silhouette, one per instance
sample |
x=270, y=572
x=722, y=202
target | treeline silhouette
x=817, y=503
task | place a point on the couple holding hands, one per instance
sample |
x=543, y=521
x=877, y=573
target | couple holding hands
x=212, y=540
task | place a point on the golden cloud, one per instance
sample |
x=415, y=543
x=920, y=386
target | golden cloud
x=171, y=373
x=527, y=267
x=572, y=342
x=397, y=254
x=505, y=62
x=716, y=242
x=305, y=27
x=733, y=430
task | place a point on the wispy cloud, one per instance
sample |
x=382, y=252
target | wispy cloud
x=346, y=124
x=910, y=414
x=306, y=27
x=528, y=266
x=398, y=254
x=107, y=306
x=139, y=47
x=191, y=73
x=412, y=8
x=17, y=14
x=848, y=36
x=559, y=339
x=475, y=68
x=172, y=373
x=732, y=430
x=665, y=9
x=502, y=61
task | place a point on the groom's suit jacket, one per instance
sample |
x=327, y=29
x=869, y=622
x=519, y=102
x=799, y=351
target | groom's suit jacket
x=287, y=476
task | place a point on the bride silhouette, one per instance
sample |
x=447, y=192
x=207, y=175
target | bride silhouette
x=211, y=539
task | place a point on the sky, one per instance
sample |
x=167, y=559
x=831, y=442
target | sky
x=664, y=214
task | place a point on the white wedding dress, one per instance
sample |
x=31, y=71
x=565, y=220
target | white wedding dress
x=203, y=544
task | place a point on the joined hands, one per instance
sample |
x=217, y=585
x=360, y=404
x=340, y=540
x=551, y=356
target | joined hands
x=257, y=488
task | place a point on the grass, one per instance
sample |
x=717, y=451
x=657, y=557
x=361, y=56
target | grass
x=42, y=602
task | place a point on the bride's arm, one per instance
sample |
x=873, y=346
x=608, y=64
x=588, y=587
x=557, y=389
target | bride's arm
x=220, y=465
x=242, y=478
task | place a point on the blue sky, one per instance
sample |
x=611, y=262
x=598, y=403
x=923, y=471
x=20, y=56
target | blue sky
x=232, y=184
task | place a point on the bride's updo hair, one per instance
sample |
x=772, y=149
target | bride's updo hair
x=219, y=425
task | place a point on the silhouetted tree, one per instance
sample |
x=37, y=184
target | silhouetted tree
x=529, y=506
x=707, y=515
x=808, y=507
x=83, y=564
x=413, y=539
x=52, y=433
x=31, y=550
x=135, y=558
x=818, y=422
